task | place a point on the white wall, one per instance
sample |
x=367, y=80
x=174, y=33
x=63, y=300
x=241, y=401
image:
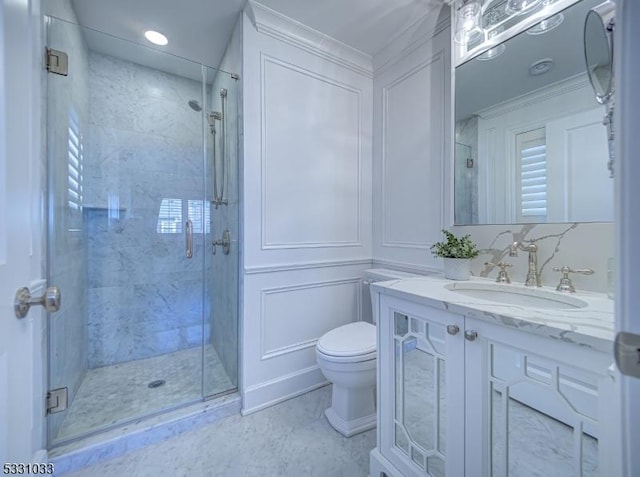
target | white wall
x=576, y=154
x=306, y=202
x=411, y=141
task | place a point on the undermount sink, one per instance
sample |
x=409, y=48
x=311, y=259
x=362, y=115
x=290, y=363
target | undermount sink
x=516, y=295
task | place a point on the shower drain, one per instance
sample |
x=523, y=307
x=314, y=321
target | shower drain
x=157, y=383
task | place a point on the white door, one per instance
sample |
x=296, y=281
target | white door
x=21, y=344
x=579, y=141
x=628, y=215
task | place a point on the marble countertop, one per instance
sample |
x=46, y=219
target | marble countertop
x=591, y=326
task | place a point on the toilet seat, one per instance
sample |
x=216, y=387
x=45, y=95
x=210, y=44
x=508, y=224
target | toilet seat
x=352, y=342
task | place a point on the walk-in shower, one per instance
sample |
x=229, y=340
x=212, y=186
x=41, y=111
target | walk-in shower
x=143, y=328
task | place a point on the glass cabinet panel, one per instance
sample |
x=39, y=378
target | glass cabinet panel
x=543, y=416
x=420, y=395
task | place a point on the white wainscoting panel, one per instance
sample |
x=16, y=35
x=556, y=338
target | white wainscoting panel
x=285, y=312
x=412, y=181
x=307, y=213
x=289, y=324
x=311, y=130
x=307, y=155
x=411, y=124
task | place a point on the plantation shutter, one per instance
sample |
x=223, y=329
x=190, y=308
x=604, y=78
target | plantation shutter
x=531, y=150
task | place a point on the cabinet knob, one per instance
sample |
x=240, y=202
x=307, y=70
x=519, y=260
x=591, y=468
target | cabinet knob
x=470, y=335
x=453, y=329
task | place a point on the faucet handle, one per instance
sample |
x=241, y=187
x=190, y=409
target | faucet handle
x=502, y=277
x=565, y=285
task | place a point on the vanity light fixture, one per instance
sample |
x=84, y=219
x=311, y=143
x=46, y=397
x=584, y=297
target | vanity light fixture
x=541, y=67
x=156, y=37
x=546, y=25
x=468, y=27
x=518, y=7
x=494, y=52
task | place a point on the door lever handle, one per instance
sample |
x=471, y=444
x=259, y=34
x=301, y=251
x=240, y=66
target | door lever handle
x=23, y=301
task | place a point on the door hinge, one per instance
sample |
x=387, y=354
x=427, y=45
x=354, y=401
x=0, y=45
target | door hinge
x=57, y=400
x=56, y=61
x=627, y=353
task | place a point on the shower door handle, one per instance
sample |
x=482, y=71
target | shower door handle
x=188, y=239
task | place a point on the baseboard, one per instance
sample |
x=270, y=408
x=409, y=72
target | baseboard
x=269, y=393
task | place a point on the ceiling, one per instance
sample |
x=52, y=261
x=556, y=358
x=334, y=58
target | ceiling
x=200, y=29
x=366, y=25
x=197, y=29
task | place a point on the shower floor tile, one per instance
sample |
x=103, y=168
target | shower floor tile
x=114, y=394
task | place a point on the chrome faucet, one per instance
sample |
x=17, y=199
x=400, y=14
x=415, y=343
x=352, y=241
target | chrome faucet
x=533, y=277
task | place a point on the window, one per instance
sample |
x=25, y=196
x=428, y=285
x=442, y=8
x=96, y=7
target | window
x=201, y=222
x=170, y=217
x=172, y=211
x=531, y=150
x=75, y=163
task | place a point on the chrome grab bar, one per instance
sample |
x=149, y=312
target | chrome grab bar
x=189, y=239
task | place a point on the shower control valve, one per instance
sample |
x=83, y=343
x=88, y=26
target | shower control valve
x=224, y=242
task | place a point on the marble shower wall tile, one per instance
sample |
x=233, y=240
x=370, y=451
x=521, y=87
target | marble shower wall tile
x=144, y=295
x=466, y=178
x=578, y=245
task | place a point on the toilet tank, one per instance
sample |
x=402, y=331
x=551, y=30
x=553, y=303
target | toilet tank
x=377, y=275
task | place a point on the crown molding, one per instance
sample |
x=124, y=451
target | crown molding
x=413, y=37
x=546, y=93
x=280, y=27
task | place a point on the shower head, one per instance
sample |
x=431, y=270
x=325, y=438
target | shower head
x=195, y=105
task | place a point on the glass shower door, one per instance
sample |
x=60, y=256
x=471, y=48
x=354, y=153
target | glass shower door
x=127, y=197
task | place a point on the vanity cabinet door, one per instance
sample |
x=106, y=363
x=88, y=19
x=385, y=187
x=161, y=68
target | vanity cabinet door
x=535, y=405
x=421, y=389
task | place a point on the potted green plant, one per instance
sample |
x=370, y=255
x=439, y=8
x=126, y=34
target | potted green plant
x=457, y=254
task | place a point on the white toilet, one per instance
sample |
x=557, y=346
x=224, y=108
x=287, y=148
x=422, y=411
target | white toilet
x=347, y=357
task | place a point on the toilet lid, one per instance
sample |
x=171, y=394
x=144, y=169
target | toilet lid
x=349, y=340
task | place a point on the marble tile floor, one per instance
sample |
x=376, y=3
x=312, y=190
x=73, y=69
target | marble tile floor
x=292, y=438
x=118, y=393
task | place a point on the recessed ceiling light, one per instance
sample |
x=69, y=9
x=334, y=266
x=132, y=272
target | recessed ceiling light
x=156, y=38
x=540, y=67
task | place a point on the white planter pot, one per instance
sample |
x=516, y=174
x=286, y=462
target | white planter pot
x=457, y=268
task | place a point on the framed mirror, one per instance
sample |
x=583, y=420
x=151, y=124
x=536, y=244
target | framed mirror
x=530, y=145
x=598, y=49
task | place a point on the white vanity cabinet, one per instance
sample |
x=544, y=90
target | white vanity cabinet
x=461, y=396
